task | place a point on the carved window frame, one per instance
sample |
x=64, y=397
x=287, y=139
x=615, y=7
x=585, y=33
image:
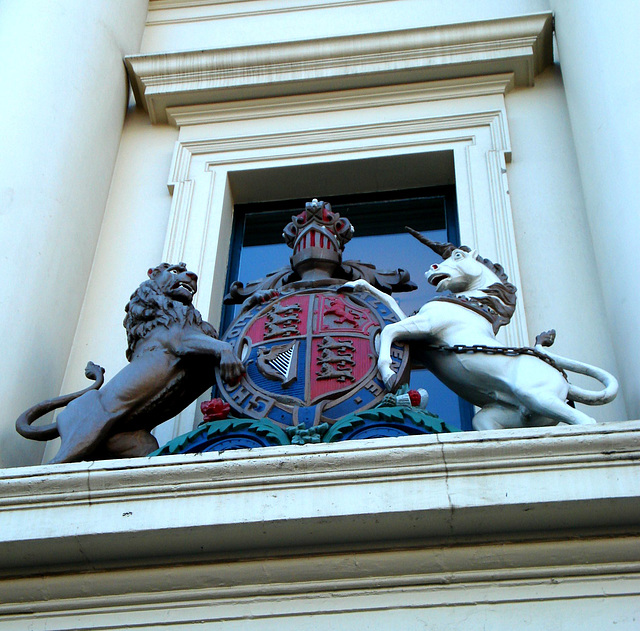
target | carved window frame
x=232, y=131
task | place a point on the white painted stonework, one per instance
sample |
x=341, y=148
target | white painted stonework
x=528, y=525
x=520, y=44
x=257, y=100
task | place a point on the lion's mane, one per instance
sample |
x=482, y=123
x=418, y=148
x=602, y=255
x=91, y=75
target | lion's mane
x=150, y=307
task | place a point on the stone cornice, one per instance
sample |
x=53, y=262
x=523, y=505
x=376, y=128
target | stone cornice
x=369, y=493
x=527, y=570
x=337, y=101
x=520, y=45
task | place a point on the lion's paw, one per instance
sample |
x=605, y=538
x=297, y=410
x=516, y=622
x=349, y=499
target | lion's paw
x=231, y=368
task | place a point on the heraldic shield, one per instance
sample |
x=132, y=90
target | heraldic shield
x=310, y=356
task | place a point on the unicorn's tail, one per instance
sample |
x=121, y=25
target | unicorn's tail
x=581, y=395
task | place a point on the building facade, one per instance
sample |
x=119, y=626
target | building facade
x=526, y=107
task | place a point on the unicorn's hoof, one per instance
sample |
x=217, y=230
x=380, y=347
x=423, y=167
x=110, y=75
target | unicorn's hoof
x=354, y=285
x=389, y=379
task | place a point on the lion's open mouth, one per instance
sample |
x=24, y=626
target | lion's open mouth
x=437, y=278
x=186, y=286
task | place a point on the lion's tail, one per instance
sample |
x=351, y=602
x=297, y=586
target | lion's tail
x=581, y=395
x=47, y=432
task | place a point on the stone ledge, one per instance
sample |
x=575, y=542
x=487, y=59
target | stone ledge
x=428, y=576
x=368, y=492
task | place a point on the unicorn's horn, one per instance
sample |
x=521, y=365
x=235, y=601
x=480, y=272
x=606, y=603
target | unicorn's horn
x=443, y=249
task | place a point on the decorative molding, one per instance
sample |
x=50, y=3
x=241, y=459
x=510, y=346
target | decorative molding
x=178, y=221
x=504, y=232
x=186, y=596
x=366, y=98
x=520, y=45
x=219, y=145
x=327, y=135
x=160, y=5
x=513, y=518
x=196, y=148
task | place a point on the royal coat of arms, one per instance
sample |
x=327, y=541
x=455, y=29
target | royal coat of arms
x=309, y=346
x=315, y=347
x=309, y=349
x=310, y=356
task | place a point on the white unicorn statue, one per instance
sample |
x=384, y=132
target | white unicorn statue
x=455, y=337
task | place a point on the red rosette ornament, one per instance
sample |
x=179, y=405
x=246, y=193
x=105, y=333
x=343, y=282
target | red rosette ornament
x=214, y=410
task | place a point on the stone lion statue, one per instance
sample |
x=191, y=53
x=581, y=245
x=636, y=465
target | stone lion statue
x=172, y=354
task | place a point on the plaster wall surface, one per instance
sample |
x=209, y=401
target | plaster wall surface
x=174, y=26
x=63, y=105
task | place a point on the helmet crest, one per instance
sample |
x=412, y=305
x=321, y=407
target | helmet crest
x=317, y=236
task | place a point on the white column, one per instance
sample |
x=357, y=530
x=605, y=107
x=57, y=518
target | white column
x=599, y=50
x=63, y=102
x=555, y=251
